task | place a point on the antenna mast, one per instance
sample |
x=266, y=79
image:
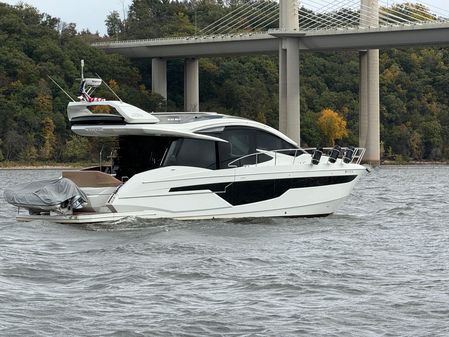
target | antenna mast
x=65, y=92
x=82, y=70
x=109, y=88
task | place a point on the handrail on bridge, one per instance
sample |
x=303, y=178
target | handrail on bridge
x=187, y=38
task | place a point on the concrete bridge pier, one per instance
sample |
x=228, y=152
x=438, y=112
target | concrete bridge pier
x=289, y=109
x=191, y=85
x=159, y=76
x=369, y=123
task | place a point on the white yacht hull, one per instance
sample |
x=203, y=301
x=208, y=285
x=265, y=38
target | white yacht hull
x=188, y=193
x=322, y=209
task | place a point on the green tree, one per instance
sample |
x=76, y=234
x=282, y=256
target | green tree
x=76, y=148
x=114, y=25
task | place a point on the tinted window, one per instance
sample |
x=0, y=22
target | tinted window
x=267, y=141
x=240, y=143
x=224, y=154
x=246, y=140
x=240, y=139
x=192, y=152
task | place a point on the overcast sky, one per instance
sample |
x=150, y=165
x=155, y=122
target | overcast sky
x=85, y=13
x=91, y=14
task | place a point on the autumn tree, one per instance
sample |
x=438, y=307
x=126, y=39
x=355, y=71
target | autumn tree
x=43, y=103
x=48, y=129
x=332, y=125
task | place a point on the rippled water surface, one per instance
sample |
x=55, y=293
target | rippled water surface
x=380, y=266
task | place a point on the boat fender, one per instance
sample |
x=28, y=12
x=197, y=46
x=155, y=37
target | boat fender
x=348, y=155
x=334, y=154
x=316, y=156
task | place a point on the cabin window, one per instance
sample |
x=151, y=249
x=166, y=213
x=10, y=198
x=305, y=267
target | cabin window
x=241, y=143
x=246, y=140
x=267, y=141
x=224, y=155
x=192, y=152
x=137, y=154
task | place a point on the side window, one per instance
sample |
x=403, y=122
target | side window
x=241, y=140
x=240, y=143
x=224, y=155
x=267, y=141
x=192, y=152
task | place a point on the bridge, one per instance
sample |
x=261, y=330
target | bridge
x=311, y=25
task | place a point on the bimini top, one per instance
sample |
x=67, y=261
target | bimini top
x=107, y=112
x=116, y=118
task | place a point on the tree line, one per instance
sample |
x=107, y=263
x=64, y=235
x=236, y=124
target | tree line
x=34, y=45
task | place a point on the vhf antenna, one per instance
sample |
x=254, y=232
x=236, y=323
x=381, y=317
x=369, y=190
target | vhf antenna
x=61, y=89
x=109, y=88
x=82, y=70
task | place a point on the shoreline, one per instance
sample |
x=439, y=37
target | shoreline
x=78, y=166
x=413, y=163
x=42, y=166
x=11, y=168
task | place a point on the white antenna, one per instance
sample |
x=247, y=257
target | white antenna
x=109, y=87
x=61, y=89
x=82, y=70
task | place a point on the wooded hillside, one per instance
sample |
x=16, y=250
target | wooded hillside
x=33, y=124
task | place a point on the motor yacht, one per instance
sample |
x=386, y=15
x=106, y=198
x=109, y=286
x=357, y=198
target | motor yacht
x=188, y=165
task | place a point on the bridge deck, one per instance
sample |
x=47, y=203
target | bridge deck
x=268, y=43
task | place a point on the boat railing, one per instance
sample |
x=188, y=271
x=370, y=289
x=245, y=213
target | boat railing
x=250, y=159
x=262, y=156
x=357, y=156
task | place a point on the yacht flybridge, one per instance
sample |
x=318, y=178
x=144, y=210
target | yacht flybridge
x=189, y=165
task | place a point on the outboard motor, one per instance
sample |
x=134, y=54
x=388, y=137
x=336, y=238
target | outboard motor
x=316, y=156
x=348, y=155
x=78, y=202
x=334, y=154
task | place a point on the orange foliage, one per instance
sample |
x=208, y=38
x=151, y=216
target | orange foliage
x=113, y=84
x=43, y=103
x=48, y=134
x=100, y=109
x=332, y=124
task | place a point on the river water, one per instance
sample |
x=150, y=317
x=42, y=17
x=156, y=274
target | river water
x=379, y=266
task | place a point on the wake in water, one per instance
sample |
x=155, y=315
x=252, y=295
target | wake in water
x=377, y=267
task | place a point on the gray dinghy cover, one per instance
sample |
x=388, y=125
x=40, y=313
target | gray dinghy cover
x=45, y=195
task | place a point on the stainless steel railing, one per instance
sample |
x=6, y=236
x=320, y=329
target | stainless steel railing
x=257, y=158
